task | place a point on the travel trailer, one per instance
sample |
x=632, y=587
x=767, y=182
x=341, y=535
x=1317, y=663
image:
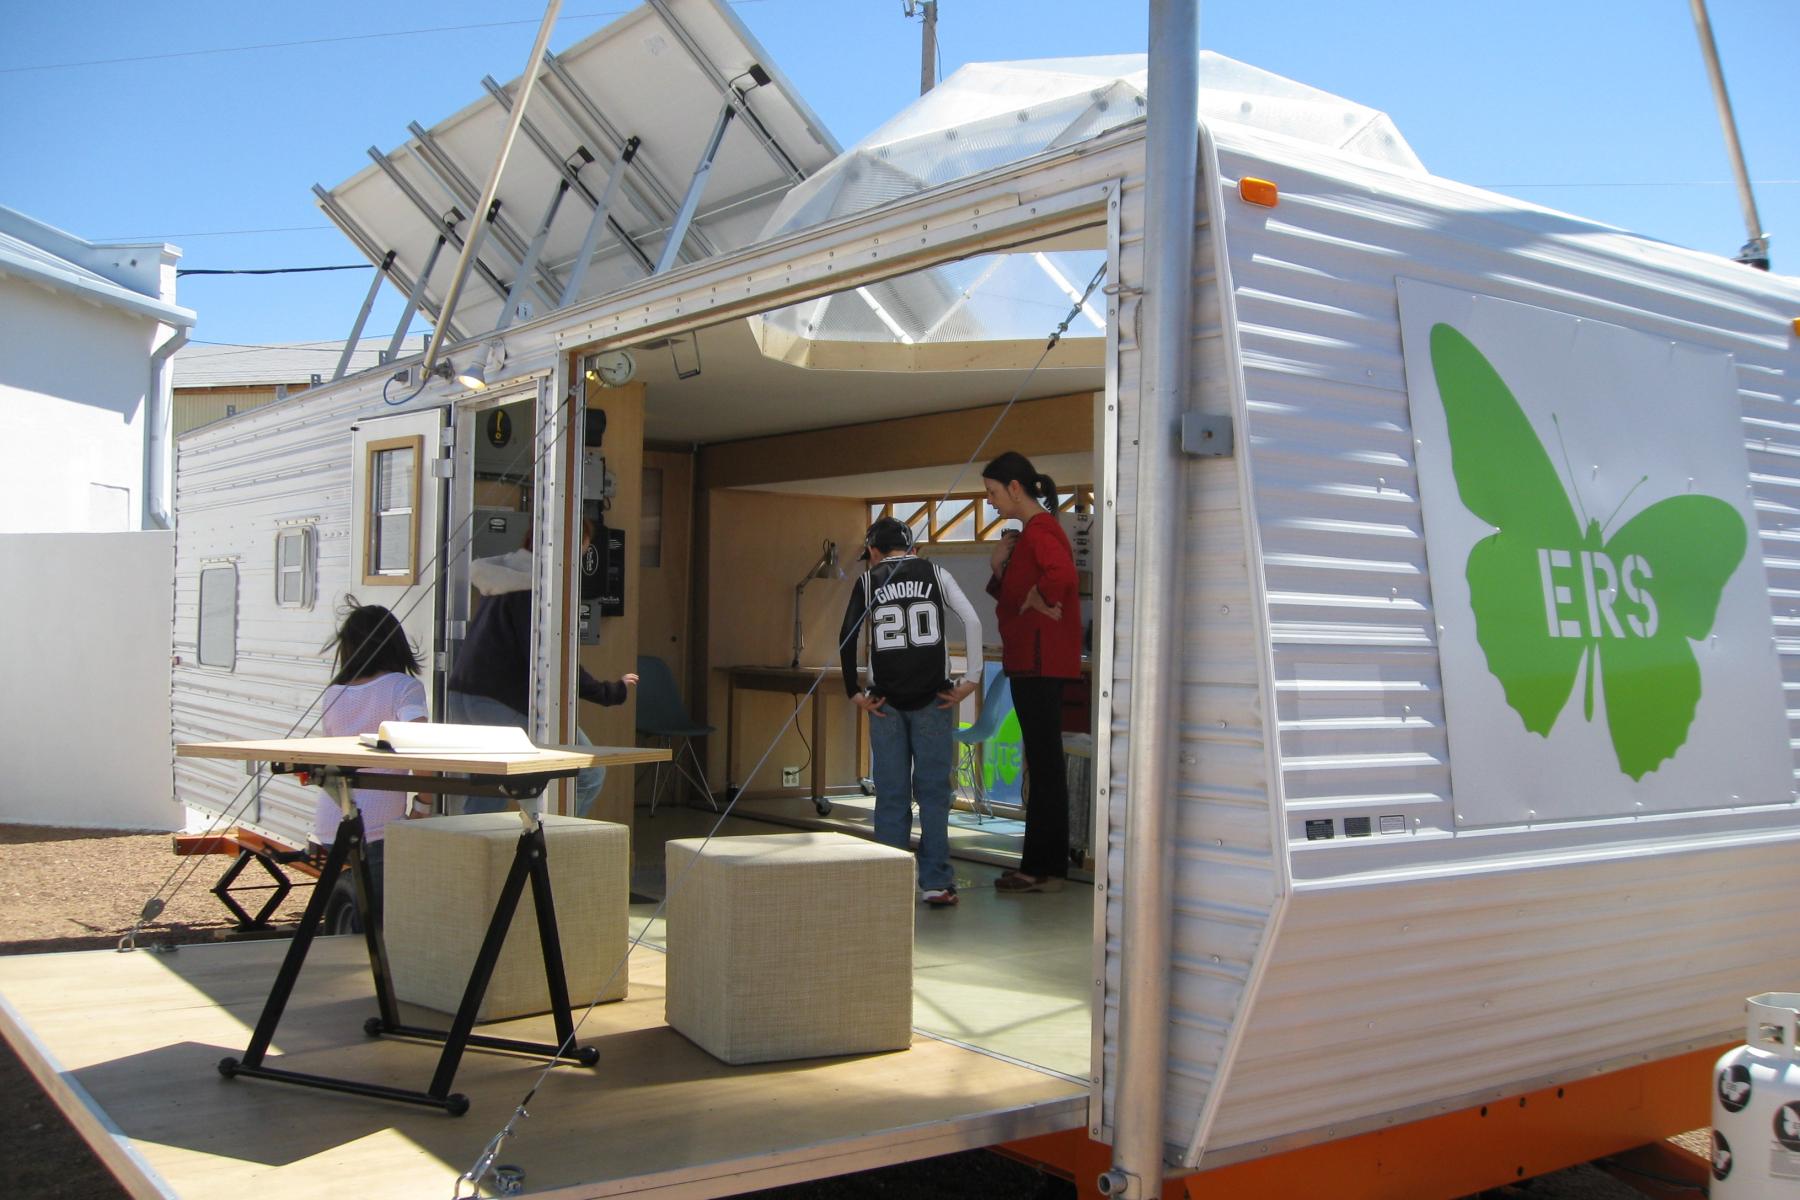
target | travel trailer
x=1482, y=803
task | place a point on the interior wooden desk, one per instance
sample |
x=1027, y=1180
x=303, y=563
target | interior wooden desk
x=341, y=765
x=791, y=681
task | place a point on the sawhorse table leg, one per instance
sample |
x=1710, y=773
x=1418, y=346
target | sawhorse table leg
x=530, y=862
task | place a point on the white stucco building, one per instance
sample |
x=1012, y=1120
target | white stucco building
x=86, y=333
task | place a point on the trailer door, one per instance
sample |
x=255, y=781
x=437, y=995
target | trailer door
x=398, y=473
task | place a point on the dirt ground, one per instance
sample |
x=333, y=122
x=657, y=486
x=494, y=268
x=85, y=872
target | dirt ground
x=70, y=889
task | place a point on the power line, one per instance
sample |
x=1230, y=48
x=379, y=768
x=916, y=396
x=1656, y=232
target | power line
x=169, y=237
x=319, y=41
x=273, y=270
x=323, y=346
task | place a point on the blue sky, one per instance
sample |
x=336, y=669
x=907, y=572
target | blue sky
x=1597, y=107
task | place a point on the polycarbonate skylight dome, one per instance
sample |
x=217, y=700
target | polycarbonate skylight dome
x=985, y=116
x=989, y=114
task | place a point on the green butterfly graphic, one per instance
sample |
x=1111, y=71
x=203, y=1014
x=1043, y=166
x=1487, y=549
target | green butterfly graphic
x=1552, y=593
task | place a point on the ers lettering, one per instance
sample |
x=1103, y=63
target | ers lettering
x=1581, y=591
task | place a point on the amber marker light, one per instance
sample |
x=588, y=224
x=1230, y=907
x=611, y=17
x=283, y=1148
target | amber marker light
x=1797, y=326
x=1258, y=191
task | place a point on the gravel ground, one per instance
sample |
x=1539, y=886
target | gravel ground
x=70, y=889
x=80, y=889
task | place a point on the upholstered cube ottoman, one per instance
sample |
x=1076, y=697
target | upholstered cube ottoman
x=790, y=945
x=442, y=879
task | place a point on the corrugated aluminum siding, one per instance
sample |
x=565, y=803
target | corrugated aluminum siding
x=1227, y=874
x=1417, y=973
x=194, y=409
x=234, y=486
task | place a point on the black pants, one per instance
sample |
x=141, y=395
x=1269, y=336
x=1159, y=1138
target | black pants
x=1038, y=701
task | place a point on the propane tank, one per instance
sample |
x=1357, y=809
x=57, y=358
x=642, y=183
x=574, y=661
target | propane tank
x=1756, y=1105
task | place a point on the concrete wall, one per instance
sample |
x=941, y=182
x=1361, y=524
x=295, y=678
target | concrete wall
x=84, y=650
x=72, y=382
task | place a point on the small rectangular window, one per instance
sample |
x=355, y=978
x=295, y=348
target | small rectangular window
x=217, y=635
x=392, y=518
x=294, y=567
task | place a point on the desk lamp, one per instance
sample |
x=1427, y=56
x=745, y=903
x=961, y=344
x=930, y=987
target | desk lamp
x=825, y=568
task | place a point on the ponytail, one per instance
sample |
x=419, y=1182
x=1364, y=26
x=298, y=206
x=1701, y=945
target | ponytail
x=1013, y=467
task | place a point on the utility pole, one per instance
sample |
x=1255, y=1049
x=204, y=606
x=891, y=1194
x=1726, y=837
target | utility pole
x=927, y=9
x=1756, y=251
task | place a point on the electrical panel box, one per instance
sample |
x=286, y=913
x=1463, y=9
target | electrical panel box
x=498, y=531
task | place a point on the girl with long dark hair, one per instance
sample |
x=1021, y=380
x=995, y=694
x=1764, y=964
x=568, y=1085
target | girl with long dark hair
x=1034, y=589
x=375, y=679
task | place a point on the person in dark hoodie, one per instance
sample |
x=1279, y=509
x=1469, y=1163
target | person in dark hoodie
x=491, y=683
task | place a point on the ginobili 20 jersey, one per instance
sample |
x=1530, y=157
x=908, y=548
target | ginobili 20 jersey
x=909, y=651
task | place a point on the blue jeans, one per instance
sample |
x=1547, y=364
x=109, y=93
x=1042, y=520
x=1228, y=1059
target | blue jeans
x=911, y=755
x=469, y=709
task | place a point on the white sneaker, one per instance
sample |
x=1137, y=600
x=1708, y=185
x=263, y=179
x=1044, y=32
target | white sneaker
x=944, y=897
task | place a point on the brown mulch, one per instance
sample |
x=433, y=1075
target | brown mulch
x=81, y=889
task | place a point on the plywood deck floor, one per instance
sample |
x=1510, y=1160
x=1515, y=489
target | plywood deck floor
x=127, y=1044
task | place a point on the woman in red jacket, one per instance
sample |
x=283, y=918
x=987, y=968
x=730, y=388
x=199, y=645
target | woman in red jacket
x=1034, y=589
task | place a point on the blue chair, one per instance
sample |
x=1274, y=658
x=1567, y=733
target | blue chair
x=996, y=704
x=662, y=715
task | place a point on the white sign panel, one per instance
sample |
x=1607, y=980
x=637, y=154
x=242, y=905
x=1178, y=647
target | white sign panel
x=1605, y=635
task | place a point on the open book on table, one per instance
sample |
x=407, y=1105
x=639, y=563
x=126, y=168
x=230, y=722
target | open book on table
x=418, y=737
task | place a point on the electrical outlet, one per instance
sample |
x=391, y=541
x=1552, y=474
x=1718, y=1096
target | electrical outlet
x=790, y=777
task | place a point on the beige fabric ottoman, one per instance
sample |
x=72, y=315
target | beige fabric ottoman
x=791, y=945
x=443, y=876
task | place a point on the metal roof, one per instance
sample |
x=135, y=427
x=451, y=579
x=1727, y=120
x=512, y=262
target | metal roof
x=114, y=274
x=680, y=82
x=199, y=365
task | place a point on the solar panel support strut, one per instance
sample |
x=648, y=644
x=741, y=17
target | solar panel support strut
x=362, y=315
x=412, y=299
x=696, y=186
x=437, y=222
x=511, y=308
x=602, y=217
x=360, y=236
x=437, y=162
x=643, y=189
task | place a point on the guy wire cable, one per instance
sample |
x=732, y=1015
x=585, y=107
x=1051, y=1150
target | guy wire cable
x=232, y=809
x=484, y=1162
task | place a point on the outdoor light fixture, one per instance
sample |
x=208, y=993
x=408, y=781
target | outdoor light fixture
x=474, y=375
x=825, y=568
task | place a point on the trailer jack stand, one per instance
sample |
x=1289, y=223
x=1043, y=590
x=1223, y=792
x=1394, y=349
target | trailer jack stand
x=280, y=888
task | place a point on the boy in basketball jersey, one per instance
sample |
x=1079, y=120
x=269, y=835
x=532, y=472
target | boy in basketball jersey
x=911, y=699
